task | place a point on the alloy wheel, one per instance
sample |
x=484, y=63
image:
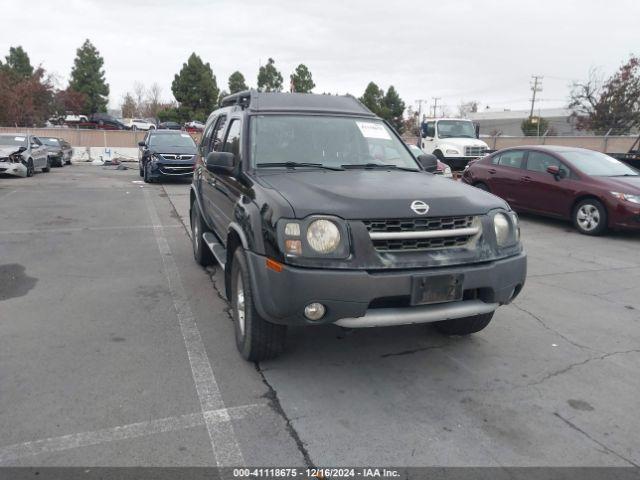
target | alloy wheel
x=588, y=217
x=240, y=305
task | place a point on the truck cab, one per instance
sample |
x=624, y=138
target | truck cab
x=453, y=140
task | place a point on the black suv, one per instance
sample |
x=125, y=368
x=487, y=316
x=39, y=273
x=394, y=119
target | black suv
x=318, y=213
x=166, y=154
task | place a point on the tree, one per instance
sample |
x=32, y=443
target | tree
x=393, y=109
x=534, y=126
x=68, y=101
x=613, y=104
x=223, y=94
x=269, y=78
x=465, y=108
x=196, y=89
x=153, y=102
x=301, y=80
x=18, y=63
x=129, y=107
x=372, y=98
x=25, y=102
x=237, y=82
x=87, y=76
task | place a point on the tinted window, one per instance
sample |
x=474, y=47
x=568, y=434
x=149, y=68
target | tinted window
x=430, y=129
x=52, y=142
x=178, y=140
x=511, y=159
x=206, y=136
x=232, y=143
x=218, y=135
x=538, y=162
x=36, y=141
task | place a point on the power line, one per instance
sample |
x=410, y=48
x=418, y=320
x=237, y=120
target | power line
x=535, y=88
x=435, y=105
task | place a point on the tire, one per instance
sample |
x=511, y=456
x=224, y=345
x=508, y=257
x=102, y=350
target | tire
x=134, y=128
x=147, y=178
x=140, y=169
x=152, y=127
x=48, y=167
x=590, y=217
x=256, y=338
x=464, y=326
x=30, y=169
x=201, y=252
x=482, y=186
x=439, y=155
x=68, y=162
x=60, y=162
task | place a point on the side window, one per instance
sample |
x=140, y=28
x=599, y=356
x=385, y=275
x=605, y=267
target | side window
x=218, y=135
x=204, y=141
x=511, y=159
x=430, y=129
x=232, y=142
x=36, y=141
x=539, y=162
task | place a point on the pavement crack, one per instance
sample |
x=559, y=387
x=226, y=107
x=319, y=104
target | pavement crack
x=274, y=402
x=597, y=442
x=412, y=351
x=553, y=330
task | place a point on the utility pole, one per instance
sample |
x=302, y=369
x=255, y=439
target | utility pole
x=420, y=101
x=536, y=86
x=435, y=105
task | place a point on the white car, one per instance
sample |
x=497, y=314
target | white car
x=452, y=140
x=140, y=124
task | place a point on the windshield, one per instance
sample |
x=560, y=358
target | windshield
x=326, y=141
x=179, y=140
x=597, y=164
x=52, y=142
x=456, y=129
x=18, y=141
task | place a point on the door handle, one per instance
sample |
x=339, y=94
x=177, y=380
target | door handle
x=525, y=179
x=492, y=171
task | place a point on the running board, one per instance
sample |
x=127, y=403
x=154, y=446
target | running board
x=216, y=248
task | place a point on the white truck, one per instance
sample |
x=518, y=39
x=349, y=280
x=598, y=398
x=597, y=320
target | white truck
x=453, y=140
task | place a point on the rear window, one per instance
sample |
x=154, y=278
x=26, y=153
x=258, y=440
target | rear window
x=513, y=158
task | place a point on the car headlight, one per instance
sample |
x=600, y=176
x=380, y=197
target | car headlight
x=627, y=196
x=447, y=172
x=323, y=236
x=506, y=228
x=452, y=151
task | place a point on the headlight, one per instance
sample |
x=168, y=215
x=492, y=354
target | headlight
x=323, y=236
x=452, y=151
x=502, y=228
x=627, y=196
x=447, y=172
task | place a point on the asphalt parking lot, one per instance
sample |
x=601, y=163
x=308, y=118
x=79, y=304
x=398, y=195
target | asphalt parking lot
x=117, y=349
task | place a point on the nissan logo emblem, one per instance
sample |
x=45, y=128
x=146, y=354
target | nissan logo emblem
x=419, y=207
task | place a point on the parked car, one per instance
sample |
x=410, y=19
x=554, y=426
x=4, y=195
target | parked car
x=21, y=154
x=311, y=228
x=194, y=126
x=102, y=121
x=60, y=151
x=71, y=117
x=442, y=169
x=453, y=140
x=169, y=126
x=166, y=154
x=593, y=190
x=140, y=124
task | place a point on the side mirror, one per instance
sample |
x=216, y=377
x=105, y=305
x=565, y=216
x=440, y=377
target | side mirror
x=553, y=170
x=220, y=162
x=22, y=149
x=429, y=162
x=141, y=144
x=477, y=126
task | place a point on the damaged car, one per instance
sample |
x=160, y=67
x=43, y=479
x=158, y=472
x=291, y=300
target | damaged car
x=20, y=155
x=60, y=151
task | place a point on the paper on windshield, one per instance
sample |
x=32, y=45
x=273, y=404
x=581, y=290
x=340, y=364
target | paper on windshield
x=185, y=135
x=19, y=139
x=373, y=130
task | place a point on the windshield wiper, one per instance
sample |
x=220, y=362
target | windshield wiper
x=297, y=164
x=371, y=166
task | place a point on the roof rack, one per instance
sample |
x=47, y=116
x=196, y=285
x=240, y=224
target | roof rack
x=243, y=99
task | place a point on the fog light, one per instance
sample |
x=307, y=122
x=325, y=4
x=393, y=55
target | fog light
x=314, y=311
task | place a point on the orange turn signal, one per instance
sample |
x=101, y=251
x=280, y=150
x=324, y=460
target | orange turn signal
x=273, y=265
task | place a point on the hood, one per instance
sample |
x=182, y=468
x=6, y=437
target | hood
x=624, y=184
x=364, y=194
x=174, y=150
x=6, y=150
x=462, y=142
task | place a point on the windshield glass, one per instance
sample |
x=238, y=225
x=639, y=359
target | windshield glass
x=327, y=141
x=179, y=140
x=456, y=129
x=18, y=141
x=52, y=142
x=597, y=164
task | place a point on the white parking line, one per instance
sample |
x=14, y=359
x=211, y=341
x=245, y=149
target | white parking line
x=7, y=194
x=14, y=452
x=222, y=435
x=81, y=229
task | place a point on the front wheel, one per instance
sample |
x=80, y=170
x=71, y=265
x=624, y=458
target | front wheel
x=201, y=252
x=146, y=176
x=141, y=169
x=256, y=338
x=30, y=169
x=590, y=217
x=464, y=326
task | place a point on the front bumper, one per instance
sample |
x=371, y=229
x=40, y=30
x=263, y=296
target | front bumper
x=359, y=298
x=171, y=170
x=15, y=169
x=457, y=163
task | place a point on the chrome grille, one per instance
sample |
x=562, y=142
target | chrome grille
x=176, y=169
x=171, y=156
x=421, y=233
x=474, y=151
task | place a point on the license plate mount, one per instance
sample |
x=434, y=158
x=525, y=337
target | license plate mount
x=427, y=290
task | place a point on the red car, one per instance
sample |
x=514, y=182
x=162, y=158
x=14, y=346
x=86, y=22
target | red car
x=592, y=189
